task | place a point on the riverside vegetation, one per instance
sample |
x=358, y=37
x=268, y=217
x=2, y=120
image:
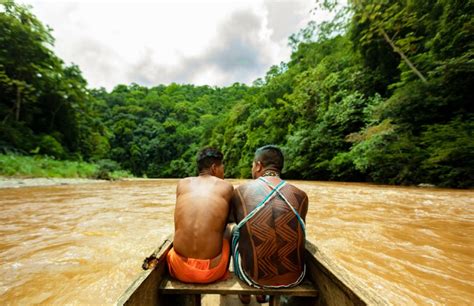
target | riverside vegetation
x=382, y=93
x=44, y=166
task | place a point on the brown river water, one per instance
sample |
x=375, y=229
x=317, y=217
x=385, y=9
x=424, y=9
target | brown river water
x=84, y=244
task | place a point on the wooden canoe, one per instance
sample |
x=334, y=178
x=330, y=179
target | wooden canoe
x=326, y=284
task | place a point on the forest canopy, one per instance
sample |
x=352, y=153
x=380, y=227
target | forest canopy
x=379, y=94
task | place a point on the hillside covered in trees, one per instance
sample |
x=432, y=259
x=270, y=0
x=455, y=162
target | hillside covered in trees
x=380, y=94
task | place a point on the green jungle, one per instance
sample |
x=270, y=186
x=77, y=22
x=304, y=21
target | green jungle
x=381, y=93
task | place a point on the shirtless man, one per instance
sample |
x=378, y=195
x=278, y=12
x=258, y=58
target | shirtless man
x=200, y=252
x=268, y=242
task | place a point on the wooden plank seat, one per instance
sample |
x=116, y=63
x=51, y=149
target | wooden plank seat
x=234, y=285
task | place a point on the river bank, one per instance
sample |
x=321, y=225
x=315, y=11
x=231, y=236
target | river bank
x=17, y=182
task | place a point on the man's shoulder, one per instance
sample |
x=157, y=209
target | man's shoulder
x=224, y=183
x=184, y=185
x=186, y=180
x=297, y=192
x=247, y=185
x=295, y=188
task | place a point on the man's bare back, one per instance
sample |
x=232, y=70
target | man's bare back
x=270, y=235
x=202, y=208
x=199, y=253
x=280, y=258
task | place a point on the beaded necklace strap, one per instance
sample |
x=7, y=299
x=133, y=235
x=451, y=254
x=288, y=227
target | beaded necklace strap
x=270, y=173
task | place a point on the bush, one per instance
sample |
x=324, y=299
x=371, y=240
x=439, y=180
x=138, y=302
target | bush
x=43, y=166
x=50, y=146
x=451, y=153
x=108, y=170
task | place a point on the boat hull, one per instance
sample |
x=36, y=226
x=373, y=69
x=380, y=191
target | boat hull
x=145, y=289
x=334, y=285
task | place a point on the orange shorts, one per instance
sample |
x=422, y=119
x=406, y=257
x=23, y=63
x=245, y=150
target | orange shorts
x=190, y=270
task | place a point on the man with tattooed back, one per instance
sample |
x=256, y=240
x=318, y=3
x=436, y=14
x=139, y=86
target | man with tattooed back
x=268, y=242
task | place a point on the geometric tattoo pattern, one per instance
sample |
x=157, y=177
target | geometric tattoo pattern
x=275, y=234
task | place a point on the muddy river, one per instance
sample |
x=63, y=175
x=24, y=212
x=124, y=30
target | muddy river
x=84, y=244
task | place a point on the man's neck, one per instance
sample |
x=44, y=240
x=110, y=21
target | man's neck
x=270, y=172
x=205, y=173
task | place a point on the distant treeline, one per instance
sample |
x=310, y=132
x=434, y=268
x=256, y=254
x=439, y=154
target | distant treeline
x=382, y=93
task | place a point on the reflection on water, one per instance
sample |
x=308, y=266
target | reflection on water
x=85, y=243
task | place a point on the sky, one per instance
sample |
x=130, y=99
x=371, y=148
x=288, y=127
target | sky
x=213, y=42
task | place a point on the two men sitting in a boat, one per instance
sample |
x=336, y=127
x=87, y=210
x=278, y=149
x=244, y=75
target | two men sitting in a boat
x=267, y=244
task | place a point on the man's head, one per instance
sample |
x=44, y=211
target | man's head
x=267, y=158
x=209, y=161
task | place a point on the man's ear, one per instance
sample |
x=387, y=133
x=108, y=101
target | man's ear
x=258, y=166
x=213, y=169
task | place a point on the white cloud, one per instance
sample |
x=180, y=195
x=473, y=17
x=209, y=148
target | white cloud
x=212, y=42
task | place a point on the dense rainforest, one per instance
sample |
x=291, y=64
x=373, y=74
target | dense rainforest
x=379, y=94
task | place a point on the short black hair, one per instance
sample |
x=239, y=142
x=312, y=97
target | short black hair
x=208, y=156
x=270, y=156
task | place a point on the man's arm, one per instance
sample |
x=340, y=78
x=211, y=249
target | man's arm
x=180, y=186
x=234, y=205
x=230, y=218
x=304, y=207
x=178, y=191
x=228, y=191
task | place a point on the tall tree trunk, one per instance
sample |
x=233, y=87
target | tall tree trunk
x=53, y=117
x=404, y=57
x=18, y=102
